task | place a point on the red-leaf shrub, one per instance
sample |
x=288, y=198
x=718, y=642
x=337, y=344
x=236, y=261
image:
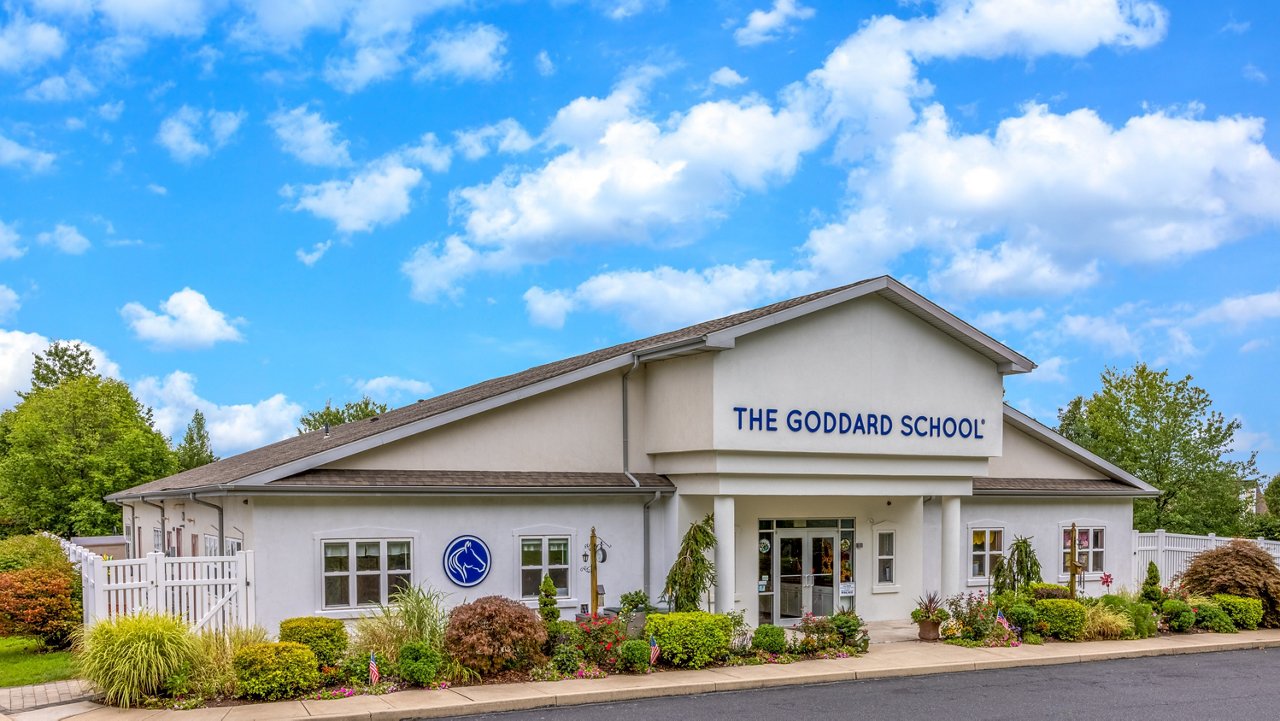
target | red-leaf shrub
x=493, y=634
x=37, y=602
x=1239, y=568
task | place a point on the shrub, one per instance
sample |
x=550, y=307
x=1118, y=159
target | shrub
x=211, y=673
x=1103, y=621
x=1144, y=620
x=1245, y=613
x=769, y=638
x=326, y=637
x=1018, y=568
x=493, y=634
x=38, y=602
x=974, y=614
x=19, y=552
x=633, y=656
x=130, y=657
x=566, y=633
x=415, y=613
x=692, y=639
x=850, y=630
x=419, y=663
x=1211, y=616
x=1178, y=614
x=602, y=635
x=1032, y=638
x=1239, y=568
x=271, y=671
x=566, y=658
x=1152, y=591
x=1022, y=615
x=1064, y=618
x=817, y=633
x=1042, y=591
x=354, y=669
x=547, y=607
x=693, y=573
x=636, y=601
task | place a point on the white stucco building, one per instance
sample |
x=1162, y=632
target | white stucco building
x=853, y=444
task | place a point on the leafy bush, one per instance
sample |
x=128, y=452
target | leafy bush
x=602, y=636
x=130, y=657
x=1239, y=568
x=817, y=633
x=1245, y=613
x=419, y=663
x=1211, y=616
x=38, y=602
x=1178, y=614
x=1152, y=590
x=547, y=605
x=1032, y=638
x=1022, y=615
x=19, y=552
x=1041, y=591
x=1064, y=618
x=1103, y=621
x=691, y=640
x=566, y=658
x=566, y=633
x=354, y=669
x=271, y=671
x=210, y=673
x=633, y=656
x=493, y=634
x=636, y=601
x=414, y=613
x=850, y=629
x=326, y=637
x=1144, y=620
x=769, y=638
x=974, y=613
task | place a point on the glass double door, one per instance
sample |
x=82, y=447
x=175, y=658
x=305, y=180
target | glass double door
x=806, y=572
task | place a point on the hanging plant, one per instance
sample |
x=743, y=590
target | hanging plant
x=693, y=573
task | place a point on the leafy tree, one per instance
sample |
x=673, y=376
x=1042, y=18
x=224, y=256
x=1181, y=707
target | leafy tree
x=59, y=362
x=66, y=446
x=1271, y=495
x=194, y=450
x=1166, y=433
x=366, y=407
x=693, y=573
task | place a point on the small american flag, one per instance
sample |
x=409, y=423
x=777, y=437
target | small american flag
x=1000, y=619
x=653, y=650
x=374, y=676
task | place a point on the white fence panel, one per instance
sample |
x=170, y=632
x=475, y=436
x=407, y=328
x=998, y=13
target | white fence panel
x=1172, y=552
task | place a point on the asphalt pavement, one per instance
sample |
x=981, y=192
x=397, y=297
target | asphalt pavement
x=1205, y=686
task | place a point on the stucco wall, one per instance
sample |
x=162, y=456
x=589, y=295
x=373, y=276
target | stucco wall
x=1025, y=457
x=678, y=402
x=192, y=518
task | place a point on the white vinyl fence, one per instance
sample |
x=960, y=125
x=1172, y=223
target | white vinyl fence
x=1173, y=551
x=209, y=592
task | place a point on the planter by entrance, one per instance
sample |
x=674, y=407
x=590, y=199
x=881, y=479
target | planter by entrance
x=929, y=630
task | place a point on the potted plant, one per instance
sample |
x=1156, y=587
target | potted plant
x=929, y=615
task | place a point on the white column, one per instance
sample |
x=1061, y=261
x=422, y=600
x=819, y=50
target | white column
x=950, y=545
x=724, y=553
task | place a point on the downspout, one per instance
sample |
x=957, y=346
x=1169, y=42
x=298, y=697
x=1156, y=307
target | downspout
x=222, y=539
x=164, y=536
x=626, y=465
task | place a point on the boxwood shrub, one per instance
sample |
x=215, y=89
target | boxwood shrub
x=1211, y=616
x=1144, y=620
x=1042, y=591
x=1245, y=613
x=633, y=656
x=769, y=638
x=1064, y=618
x=1178, y=614
x=1023, y=616
x=271, y=671
x=326, y=637
x=691, y=639
x=419, y=663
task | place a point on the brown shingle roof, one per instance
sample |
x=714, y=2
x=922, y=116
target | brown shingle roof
x=445, y=480
x=1052, y=486
x=229, y=470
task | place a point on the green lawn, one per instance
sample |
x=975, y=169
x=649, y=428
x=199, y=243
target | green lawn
x=22, y=663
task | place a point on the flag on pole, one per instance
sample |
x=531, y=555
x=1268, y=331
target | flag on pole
x=653, y=650
x=374, y=676
x=1000, y=619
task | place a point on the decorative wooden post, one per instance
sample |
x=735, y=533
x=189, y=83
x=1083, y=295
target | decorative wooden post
x=1074, y=567
x=595, y=596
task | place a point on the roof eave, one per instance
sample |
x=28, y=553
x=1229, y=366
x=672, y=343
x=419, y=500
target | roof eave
x=1134, y=493
x=1033, y=427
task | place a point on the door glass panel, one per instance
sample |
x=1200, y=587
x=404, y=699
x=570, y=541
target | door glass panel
x=822, y=550
x=790, y=577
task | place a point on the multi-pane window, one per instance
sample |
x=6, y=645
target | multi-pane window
x=157, y=540
x=544, y=556
x=234, y=546
x=1090, y=546
x=365, y=573
x=987, y=548
x=211, y=545
x=885, y=553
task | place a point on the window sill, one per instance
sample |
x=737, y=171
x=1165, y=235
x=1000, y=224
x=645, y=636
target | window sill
x=982, y=582
x=1063, y=579
x=886, y=588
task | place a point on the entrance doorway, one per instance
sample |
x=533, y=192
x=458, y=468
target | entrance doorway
x=806, y=567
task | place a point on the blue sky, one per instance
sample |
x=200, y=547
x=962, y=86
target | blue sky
x=251, y=207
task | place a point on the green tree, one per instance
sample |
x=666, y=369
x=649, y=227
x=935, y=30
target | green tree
x=1166, y=433
x=194, y=450
x=61, y=361
x=693, y=573
x=65, y=447
x=366, y=407
x=1271, y=495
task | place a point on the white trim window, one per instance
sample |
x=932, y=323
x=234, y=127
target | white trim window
x=542, y=556
x=211, y=545
x=1090, y=544
x=234, y=546
x=364, y=572
x=987, y=548
x=886, y=558
x=157, y=540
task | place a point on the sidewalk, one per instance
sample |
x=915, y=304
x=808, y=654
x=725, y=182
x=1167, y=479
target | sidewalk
x=23, y=698
x=884, y=660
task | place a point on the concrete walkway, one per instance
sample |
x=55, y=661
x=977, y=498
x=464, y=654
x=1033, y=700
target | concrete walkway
x=883, y=660
x=25, y=698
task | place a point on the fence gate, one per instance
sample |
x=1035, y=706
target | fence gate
x=1172, y=552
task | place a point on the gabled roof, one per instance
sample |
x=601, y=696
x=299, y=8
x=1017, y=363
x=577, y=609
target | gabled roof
x=1048, y=436
x=310, y=450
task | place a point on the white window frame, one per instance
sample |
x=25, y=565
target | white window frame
x=987, y=527
x=233, y=546
x=157, y=540
x=352, y=536
x=546, y=531
x=1065, y=548
x=128, y=540
x=210, y=547
x=877, y=585
x=545, y=567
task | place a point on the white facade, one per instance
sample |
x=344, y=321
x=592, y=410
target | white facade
x=850, y=447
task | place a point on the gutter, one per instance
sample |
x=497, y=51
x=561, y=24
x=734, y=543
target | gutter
x=365, y=491
x=164, y=536
x=222, y=538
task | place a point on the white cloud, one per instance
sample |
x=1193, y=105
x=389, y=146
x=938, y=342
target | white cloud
x=313, y=256
x=158, y=17
x=471, y=52
x=1049, y=371
x=393, y=388
x=546, y=68
x=1100, y=332
x=370, y=63
x=504, y=136
x=16, y=155
x=623, y=9
x=111, y=112
x=309, y=138
x=10, y=242
x=996, y=321
x=1010, y=270
x=9, y=303
x=726, y=77
x=189, y=134
x=1242, y=310
x=1254, y=345
x=186, y=320
x=232, y=428
x=66, y=238
x=17, y=356
x=60, y=88
x=764, y=26
x=26, y=44
x=1253, y=74
x=157, y=189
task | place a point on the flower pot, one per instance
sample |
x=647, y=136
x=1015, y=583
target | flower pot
x=928, y=630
